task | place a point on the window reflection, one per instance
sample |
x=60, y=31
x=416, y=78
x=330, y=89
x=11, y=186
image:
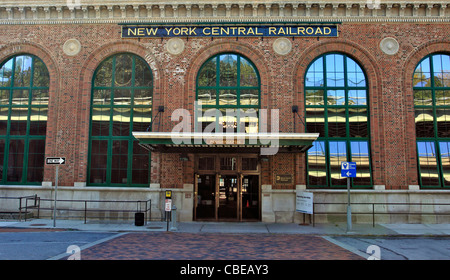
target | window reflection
x=336, y=97
x=15, y=160
x=358, y=122
x=443, y=122
x=335, y=70
x=422, y=74
x=315, y=121
x=141, y=164
x=355, y=75
x=338, y=154
x=432, y=116
x=360, y=155
x=207, y=96
x=228, y=70
x=337, y=122
x=248, y=74
x=207, y=75
x=317, y=169
x=315, y=76
x=121, y=104
x=36, y=155
x=445, y=159
x=22, y=72
x=24, y=98
x=342, y=121
x=38, y=121
x=427, y=163
x=228, y=81
x=424, y=122
x=3, y=120
x=314, y=97
x=357, y=97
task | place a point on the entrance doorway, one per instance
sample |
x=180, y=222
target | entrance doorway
x=227, y=188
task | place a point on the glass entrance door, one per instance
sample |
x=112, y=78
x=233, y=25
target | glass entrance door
x=227, y=188
x=250, y=197
x=206, y=197
x=228, y=197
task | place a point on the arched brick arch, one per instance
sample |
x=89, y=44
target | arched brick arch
x=255, y=56
x=373, y=74
x=10, y=50
x=85, y=85
x=407, y=84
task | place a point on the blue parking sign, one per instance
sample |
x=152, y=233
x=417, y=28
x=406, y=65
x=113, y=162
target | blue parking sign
x=348, y=169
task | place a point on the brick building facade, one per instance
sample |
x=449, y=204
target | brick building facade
x=387, y=42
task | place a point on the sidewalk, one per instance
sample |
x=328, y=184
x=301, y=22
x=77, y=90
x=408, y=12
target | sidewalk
x=249, y=227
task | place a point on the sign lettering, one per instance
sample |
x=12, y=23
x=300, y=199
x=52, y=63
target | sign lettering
x=230, y=31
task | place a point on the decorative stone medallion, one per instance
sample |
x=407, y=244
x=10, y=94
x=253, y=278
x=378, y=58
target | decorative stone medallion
x=389, y=46
x=72, y=47
x=175, y=46
x=282, y=46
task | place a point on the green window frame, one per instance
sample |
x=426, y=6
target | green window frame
x=24, y=95
x=228, y=87
x=336, y=107
x=431, y=87
x=122, y=90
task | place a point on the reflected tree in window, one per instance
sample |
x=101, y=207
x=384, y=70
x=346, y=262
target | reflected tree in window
x=228, y=89
x=24, y=95
x=121, y=103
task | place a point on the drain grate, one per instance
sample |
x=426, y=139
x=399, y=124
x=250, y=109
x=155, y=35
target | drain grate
x=38, y=225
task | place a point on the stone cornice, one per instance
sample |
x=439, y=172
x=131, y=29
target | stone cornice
x=115, y=11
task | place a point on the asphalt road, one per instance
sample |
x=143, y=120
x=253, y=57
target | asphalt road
x=400, y=248
x=44, y=245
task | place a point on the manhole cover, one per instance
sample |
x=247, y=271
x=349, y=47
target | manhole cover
x=154, y=227
x=38, y=225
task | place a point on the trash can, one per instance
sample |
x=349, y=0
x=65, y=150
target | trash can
x=139, y=219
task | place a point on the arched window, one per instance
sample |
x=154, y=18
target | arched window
x=336, y=104
x=121, y=103
x=228, y=89
x=431, y=85
x=24, y=85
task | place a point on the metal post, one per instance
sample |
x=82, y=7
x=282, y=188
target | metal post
x=173, y=226
x=56, y=191
x=349, y=208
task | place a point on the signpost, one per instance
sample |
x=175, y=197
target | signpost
x=348, y=169
x=168, y=206
x=58, y=161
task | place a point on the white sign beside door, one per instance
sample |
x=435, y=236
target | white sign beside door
x=304, y=202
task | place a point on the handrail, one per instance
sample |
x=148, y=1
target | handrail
x=386, y=212
x=140, y=206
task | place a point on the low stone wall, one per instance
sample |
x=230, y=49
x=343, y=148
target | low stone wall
x=390, y=206
x=277, y=206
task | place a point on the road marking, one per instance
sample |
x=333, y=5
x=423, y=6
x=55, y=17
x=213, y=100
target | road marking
x=63, y=255
x=346, y=247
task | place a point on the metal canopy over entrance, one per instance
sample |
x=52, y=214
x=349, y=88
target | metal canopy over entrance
x=197, y=142
x=227, y=176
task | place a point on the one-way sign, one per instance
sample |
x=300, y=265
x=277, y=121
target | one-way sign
x=55, y=160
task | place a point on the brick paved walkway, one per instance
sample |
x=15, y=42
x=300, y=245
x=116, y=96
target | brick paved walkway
x=195, y=246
